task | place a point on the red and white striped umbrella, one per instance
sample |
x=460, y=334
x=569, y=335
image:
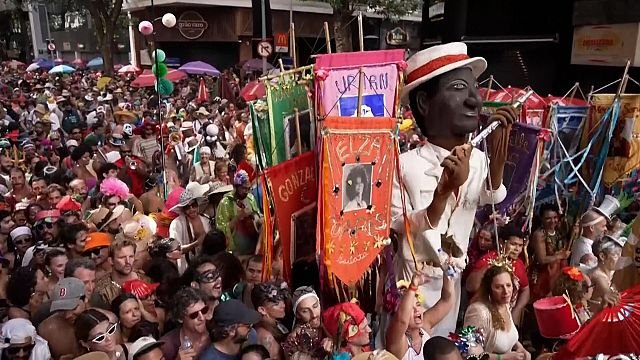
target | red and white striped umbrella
x=203, y=94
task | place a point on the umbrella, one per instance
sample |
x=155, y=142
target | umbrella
x=95, y=62
x=614, y=330
x=199, y=68
x=77, y=63
x=255, y=65
x=61, y=69
x=129, y=69
x=14, y=64
x=148, y=79
x=45, y=63
x=203, y=94
x=253, y=91
x=33, y=67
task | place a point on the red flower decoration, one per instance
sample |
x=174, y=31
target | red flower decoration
x=573, y=273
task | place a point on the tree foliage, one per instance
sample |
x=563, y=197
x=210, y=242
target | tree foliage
x=343, y=13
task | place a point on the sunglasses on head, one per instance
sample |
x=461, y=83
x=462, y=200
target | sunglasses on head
x=209, y=276
x=102, y=337
x=194, y=315
x=14, y=350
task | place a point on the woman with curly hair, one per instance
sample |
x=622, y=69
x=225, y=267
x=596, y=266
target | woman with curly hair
x=357, y=189
x=578, y=286
x=491, y=312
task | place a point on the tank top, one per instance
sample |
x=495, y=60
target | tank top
x=411, y=353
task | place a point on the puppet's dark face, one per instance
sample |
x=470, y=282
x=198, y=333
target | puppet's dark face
x=454, y=107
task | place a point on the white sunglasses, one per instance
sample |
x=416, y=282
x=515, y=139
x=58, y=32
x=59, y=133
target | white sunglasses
x=102, y=337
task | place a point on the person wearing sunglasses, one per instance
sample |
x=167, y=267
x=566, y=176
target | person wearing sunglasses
x=96, y=248
x=231, y=325
x=269, y=300
x=191, y=338
x=21, y=342
x=22, y=240
x=46, y=226
x=95, y=332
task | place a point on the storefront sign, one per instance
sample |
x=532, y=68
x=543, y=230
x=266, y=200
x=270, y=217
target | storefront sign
x=192, y=25
x=282, y=42
x=608, y=45
x=358, y=161
x=294, y=188
x=397, y=37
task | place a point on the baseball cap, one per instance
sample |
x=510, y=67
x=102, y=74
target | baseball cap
x=17, y=331
x=49, y=216
x=71, y=143
x=142, y=345
x=233, y=312
x=96, y=240
x=66, y=294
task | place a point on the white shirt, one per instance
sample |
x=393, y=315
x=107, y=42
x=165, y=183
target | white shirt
x=580, y=248
x=420, y=172
x=178, y=231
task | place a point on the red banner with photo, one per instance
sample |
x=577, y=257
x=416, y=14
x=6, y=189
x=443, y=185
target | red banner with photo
x=293, y=187
x=358, y=159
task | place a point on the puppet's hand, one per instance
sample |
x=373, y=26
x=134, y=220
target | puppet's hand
x=498, y=140
x=456, y=169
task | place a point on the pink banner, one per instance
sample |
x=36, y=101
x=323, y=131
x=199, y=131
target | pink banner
x=340, y=76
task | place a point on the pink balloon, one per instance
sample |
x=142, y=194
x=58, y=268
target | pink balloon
x=145, y=27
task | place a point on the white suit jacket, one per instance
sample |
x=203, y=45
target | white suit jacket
x=420, y=172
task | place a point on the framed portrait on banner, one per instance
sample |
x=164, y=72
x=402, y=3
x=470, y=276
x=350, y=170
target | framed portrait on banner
x=303, y=230
x=356, y=182
x=307, y=133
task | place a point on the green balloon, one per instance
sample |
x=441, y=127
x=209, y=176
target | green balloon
x=160, y=54
x=160, y=71
x=164, y=87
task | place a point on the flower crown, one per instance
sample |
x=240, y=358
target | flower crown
x=573, y=273
x=502, y=261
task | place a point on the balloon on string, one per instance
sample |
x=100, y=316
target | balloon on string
x=164, y=87
x=169, y=20
x=145, y=27
x=161, y=56
x=160, y=70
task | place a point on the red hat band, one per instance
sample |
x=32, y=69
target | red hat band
x=434, y=65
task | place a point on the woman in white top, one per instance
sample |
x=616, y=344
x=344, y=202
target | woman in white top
x=411, y=325
x=204, y=170
x=491, y=312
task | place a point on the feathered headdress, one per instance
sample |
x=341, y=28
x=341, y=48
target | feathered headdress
x=114, y=187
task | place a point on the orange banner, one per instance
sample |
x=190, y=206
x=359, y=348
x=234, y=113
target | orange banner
x=293, y=188
x=358, y=162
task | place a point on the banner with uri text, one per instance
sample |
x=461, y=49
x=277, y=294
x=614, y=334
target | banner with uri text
x=338, y=83
x=294, y=192
x=357, y=166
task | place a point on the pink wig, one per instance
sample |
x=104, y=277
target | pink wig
x=114, y=187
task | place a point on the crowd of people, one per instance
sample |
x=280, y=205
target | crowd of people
x=125, y=234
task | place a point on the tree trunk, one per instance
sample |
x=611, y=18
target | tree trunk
x=342, y=30
x=107, y=49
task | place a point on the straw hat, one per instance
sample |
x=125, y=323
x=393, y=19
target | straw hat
x=193, y=191
x=40, y=109
x=102, y=216
x=437, y=60
x=203, y=111
x=192, y=142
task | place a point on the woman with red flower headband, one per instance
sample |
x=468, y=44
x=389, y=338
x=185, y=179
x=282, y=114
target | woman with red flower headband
x=578, y=287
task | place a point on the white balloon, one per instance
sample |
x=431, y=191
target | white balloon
x=169, y=20
x=212, y=130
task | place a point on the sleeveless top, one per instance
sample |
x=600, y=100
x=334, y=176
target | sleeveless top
x=200, y=172
x=411, y=353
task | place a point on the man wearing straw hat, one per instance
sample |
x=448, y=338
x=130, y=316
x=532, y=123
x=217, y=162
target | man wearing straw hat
x=445, y=179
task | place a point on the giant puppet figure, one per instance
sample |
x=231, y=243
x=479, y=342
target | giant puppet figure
x=445, y=180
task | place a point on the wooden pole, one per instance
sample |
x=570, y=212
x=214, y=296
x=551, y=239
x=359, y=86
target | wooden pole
x=360, y=86
x=327, y=37
x=573, y=91
x=294, y=55
x=625, y=78
x=281, y=65
x=486, y=97
x=360, y=31
x=298, y=137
